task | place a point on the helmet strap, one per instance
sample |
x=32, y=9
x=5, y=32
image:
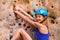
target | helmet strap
x=43, y=20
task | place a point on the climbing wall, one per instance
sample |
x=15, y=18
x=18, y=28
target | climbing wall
x=54, y=15
x=11, y=22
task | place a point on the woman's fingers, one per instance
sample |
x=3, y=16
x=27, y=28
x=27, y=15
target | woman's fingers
x=16, y=12
x=19, y=9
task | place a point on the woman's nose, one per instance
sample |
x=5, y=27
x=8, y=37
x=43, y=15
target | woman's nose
x=38, y=17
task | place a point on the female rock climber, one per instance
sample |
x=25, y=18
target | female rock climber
x=41, y=31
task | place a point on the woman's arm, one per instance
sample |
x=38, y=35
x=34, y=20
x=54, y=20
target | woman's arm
x=40, y=26
x=25, y=13
x=25, y=18
x=35, y=24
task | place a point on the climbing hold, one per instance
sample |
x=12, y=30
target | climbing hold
x=19, y=24
x=28, y=26
x=28, y=12
x=36, y=4
x=52, y=21
x=15, y=1
x=52, y=6
x=24, y=25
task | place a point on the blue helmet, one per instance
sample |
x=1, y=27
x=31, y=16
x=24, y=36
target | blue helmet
x=42, y=11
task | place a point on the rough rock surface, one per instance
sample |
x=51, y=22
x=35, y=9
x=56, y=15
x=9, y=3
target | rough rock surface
x=10, y=22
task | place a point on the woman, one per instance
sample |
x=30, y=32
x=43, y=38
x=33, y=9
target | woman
x=41, y=31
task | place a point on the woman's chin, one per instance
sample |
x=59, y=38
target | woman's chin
x=39, y=21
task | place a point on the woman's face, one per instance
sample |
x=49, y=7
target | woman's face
x=39, y=18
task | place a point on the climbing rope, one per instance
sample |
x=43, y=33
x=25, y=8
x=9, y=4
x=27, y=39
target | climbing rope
x=33, y=13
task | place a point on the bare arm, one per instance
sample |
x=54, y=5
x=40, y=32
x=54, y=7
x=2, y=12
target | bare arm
x=40, y=26
x=25, y=13
x=35, y=24
x=25, y=18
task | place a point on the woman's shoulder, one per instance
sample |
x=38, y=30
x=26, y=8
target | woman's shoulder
x=43, y=29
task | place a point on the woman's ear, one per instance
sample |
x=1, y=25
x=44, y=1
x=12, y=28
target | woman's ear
x=44, y=17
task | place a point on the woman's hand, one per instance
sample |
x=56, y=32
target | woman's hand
x=18, y=8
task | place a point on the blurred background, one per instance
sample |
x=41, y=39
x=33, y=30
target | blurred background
x=10, y=22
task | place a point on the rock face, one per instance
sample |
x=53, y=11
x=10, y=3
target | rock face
x=10, y=22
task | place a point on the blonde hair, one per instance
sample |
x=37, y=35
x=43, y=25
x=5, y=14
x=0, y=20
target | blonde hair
x=47, y=22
